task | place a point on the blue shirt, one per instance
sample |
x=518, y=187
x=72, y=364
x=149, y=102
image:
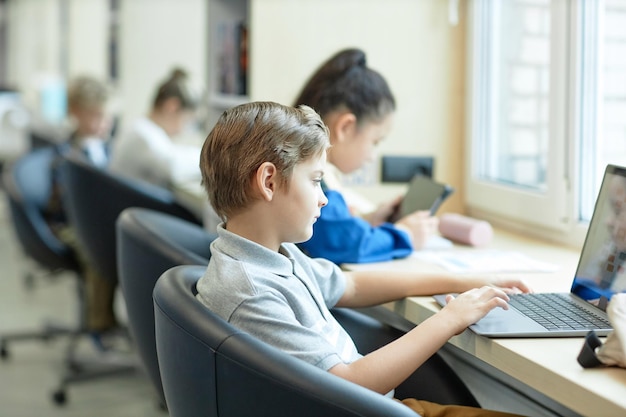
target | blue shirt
x=343, y=238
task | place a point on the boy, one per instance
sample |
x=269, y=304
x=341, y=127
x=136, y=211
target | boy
x=262, y=165
x=87, y=108
x=87, y=99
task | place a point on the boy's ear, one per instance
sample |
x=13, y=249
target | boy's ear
x=267, y=180
x=344, y=126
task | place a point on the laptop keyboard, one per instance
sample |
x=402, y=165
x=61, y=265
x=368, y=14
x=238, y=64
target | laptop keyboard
x=556, y=311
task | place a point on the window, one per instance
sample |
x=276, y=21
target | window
x=603, y=104
x=547, y=106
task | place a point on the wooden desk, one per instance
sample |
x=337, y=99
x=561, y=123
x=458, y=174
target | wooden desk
x=542, y=373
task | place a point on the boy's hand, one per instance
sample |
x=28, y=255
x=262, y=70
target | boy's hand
x=510, y=285
x=469, y=307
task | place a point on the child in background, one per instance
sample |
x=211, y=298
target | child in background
x=146, y=151
x=87, y=100
x=357, y=105
x=91, y=123
x=262, y=166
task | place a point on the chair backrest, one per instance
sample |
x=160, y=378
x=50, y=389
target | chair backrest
x=148, y=244
x=210, y=368
x=94, y=198
x=28, y=182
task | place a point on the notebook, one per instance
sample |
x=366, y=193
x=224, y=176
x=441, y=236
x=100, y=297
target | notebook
x=601, y=272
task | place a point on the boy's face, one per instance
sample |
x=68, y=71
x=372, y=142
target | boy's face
x=92, y=121
x=299, y=202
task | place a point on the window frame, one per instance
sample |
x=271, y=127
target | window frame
x=553, y=213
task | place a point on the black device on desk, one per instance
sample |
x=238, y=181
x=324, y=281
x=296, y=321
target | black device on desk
x=424, y=194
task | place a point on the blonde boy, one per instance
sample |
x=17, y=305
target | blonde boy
x=262, y=165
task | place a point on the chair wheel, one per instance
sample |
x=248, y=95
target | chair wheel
x=4, y=352
x=59, y=397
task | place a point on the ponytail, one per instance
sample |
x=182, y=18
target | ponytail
x=177, y=86
x=346, y=80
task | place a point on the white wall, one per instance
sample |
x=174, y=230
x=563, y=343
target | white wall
x=156, y=36
x=50, y=41
x=87, y=38
x=34, y=44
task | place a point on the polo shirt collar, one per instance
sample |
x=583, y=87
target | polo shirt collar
x=279, y=263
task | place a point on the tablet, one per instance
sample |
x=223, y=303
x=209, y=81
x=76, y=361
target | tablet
x=424, y=194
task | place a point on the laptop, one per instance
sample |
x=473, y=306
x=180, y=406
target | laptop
x=601, y=272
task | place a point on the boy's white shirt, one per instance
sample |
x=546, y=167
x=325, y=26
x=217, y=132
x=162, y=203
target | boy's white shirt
x=95, y=150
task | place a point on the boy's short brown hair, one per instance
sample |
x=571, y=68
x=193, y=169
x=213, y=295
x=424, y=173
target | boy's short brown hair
x=87, y=92
x=248, y=135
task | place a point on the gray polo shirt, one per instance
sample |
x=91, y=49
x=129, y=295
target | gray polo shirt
x=280, y=297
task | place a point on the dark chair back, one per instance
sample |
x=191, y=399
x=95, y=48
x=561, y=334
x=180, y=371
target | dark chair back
x=28, y=183
x=148, y=244
x=94, y=198
x=210, y=368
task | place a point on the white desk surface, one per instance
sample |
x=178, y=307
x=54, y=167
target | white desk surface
x=547, y=365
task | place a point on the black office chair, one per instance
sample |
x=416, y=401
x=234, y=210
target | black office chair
x=44, y=139
x=27, y=186
x=93, y=198
x=148, y=244
x=210, y=368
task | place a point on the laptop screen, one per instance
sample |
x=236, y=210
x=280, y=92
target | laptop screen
x=601, y=270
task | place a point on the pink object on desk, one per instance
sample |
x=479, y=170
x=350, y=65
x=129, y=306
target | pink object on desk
x=465, y=229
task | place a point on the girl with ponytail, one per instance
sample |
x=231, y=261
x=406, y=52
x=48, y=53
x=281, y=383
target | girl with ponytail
x=357, y=105
x=146, y=150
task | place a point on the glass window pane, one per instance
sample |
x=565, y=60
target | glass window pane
x=607, y=143
x=515, y=147
x=613, y=117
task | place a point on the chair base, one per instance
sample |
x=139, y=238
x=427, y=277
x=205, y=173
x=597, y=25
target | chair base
x=49, y=332
x=92, y=369
x=105, y=363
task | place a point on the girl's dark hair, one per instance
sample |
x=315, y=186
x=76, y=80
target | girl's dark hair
x=346, y=80
x=177, y=86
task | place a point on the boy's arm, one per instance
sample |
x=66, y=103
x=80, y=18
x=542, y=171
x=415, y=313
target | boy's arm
x=366, y=288
x=385, y=368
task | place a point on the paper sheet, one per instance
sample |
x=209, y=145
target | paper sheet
x=484, y=260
